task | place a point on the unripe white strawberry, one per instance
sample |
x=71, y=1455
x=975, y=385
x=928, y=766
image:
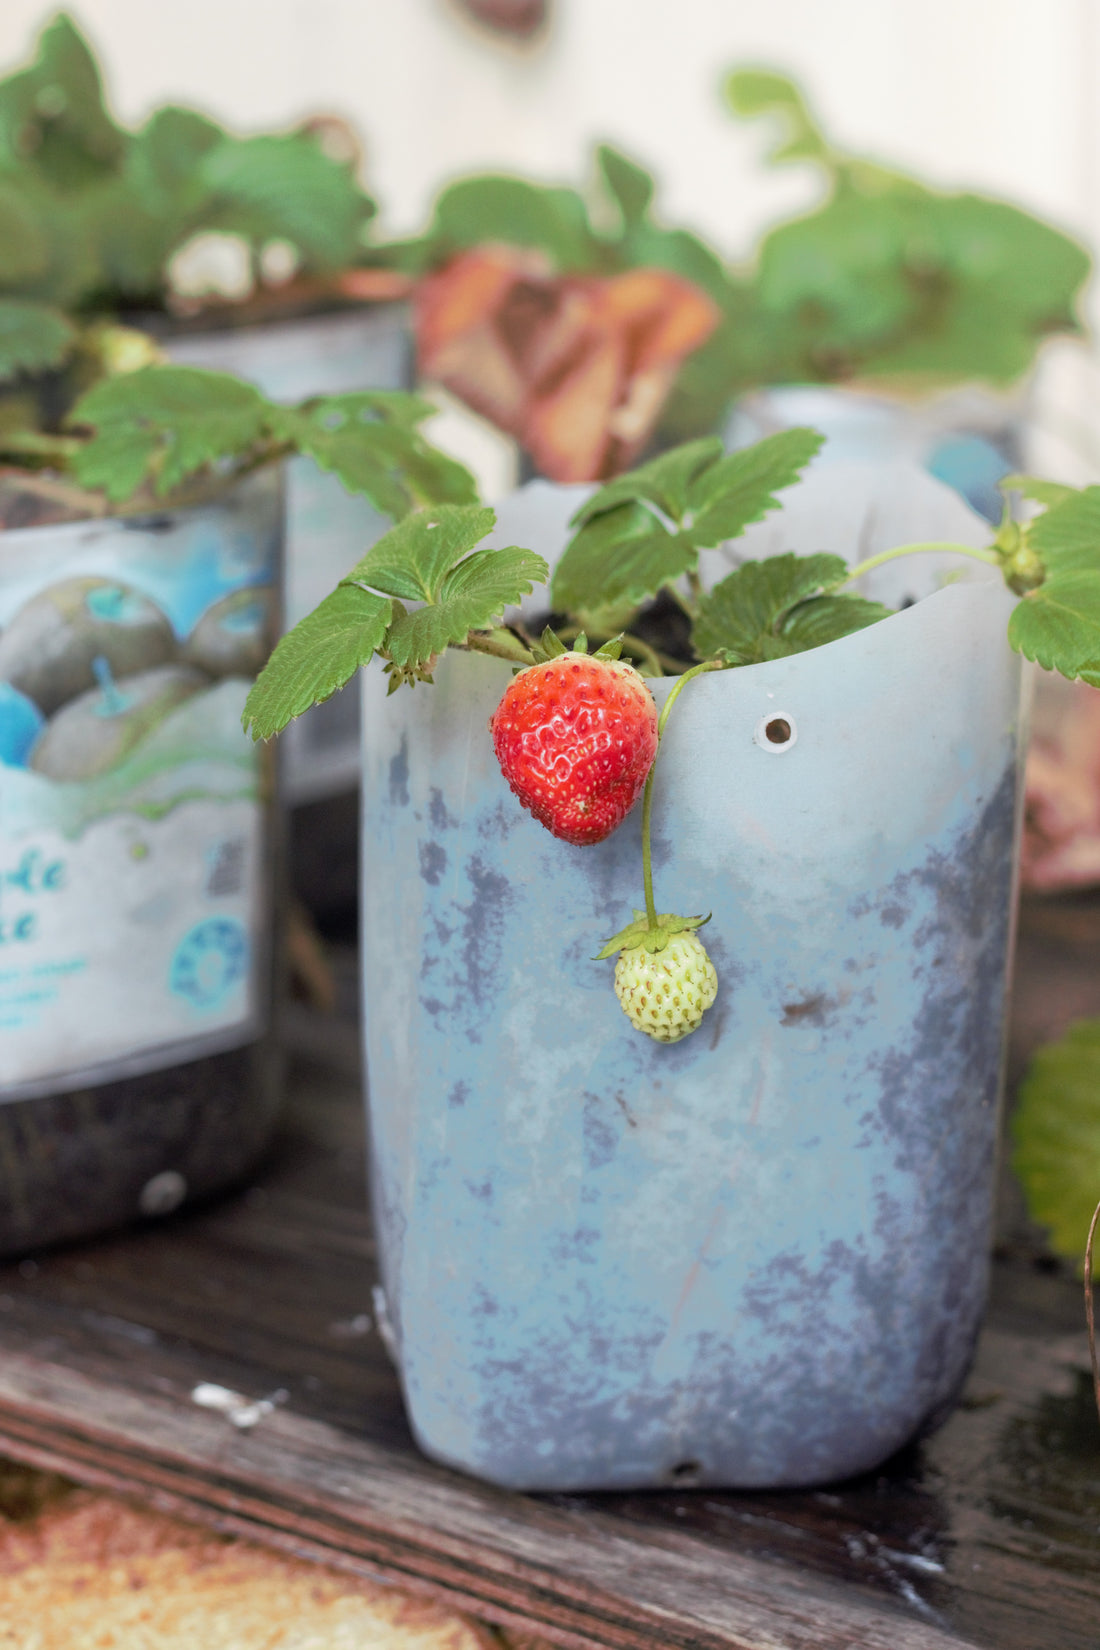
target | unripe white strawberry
x=666, y=993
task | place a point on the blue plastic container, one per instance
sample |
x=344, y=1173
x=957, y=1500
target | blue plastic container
x=757, y=1257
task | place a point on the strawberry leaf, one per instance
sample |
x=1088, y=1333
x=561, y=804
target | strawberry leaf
x=32, y=336
x=471, y=597
x=742, y=617
x=413, y=559
x=751, y=92
x=739, y=489
x=622, y=556
x=167, y=421
x=1058, y=625
x=370, y=441
x=663, y=481
x=630, y=186
x=828, y=618
x=1067, y=536
x=285, y=187
x=1056, y=1129
x=321, y=653
x=479, y=210
x=1036, y=488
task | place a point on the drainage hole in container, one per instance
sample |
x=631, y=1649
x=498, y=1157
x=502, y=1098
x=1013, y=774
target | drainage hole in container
x=775, y=733
x=685, y=1472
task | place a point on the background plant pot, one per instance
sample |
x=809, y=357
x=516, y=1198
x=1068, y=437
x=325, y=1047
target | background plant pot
x=328, y=529
x=758, y=1257
x=137, y=1066
x=968, y=436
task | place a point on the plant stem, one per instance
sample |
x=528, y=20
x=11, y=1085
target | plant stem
x=647, y=799
x=58, y=492
x=643, y=651
x=499, y=644
x=990, y=556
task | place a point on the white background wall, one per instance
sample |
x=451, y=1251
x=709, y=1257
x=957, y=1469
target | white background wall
x=998, y=94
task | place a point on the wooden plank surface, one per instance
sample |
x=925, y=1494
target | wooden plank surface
x=81, y=1570
x=987, y=1533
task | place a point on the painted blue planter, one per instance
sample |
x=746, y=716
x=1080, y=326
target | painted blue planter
x=758, y=1257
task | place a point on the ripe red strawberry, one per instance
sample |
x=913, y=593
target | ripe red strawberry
x=575, y=738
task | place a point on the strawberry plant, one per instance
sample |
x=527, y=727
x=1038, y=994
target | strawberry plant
x=886, y=279
x=91, y=213
x=169, y=436
x=574, y=732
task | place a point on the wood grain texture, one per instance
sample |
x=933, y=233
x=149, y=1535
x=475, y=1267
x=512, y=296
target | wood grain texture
x=987, y=1533
x=92, y=1573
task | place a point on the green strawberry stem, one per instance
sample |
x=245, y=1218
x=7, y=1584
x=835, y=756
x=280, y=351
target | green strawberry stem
x=990, y=556
x=647, y=799
x=499, y=644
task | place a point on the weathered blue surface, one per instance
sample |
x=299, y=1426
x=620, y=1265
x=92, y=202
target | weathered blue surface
x=757, y=1257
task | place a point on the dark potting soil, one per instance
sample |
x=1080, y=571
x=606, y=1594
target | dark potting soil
x=662, y=624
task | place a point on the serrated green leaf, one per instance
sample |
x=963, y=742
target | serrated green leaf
x=621, y=557
x=890, y=277
x=473, y=595
x=53, y=118
x=178, y=419
x=726, y=497
x=742, y=618
x=630, y=185
x=286, y=188
x=24, y=246
x=1056, y=1130
x=32, y=337
x=321, y=653
x=1067, y=535
x=478, y=211
x=827, y=618
x=1036, y=488
x=371, y=441
x=1058, y=626
x=413, y=559
x=751, y=92
x=664, y=481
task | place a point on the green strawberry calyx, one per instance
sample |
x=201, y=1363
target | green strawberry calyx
x=645, y=935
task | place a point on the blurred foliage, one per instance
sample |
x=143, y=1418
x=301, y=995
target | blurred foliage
x=1056, y=1134
x=91, y=213
x=886, y=278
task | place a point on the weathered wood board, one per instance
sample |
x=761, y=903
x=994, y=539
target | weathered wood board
x=988, y=1533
